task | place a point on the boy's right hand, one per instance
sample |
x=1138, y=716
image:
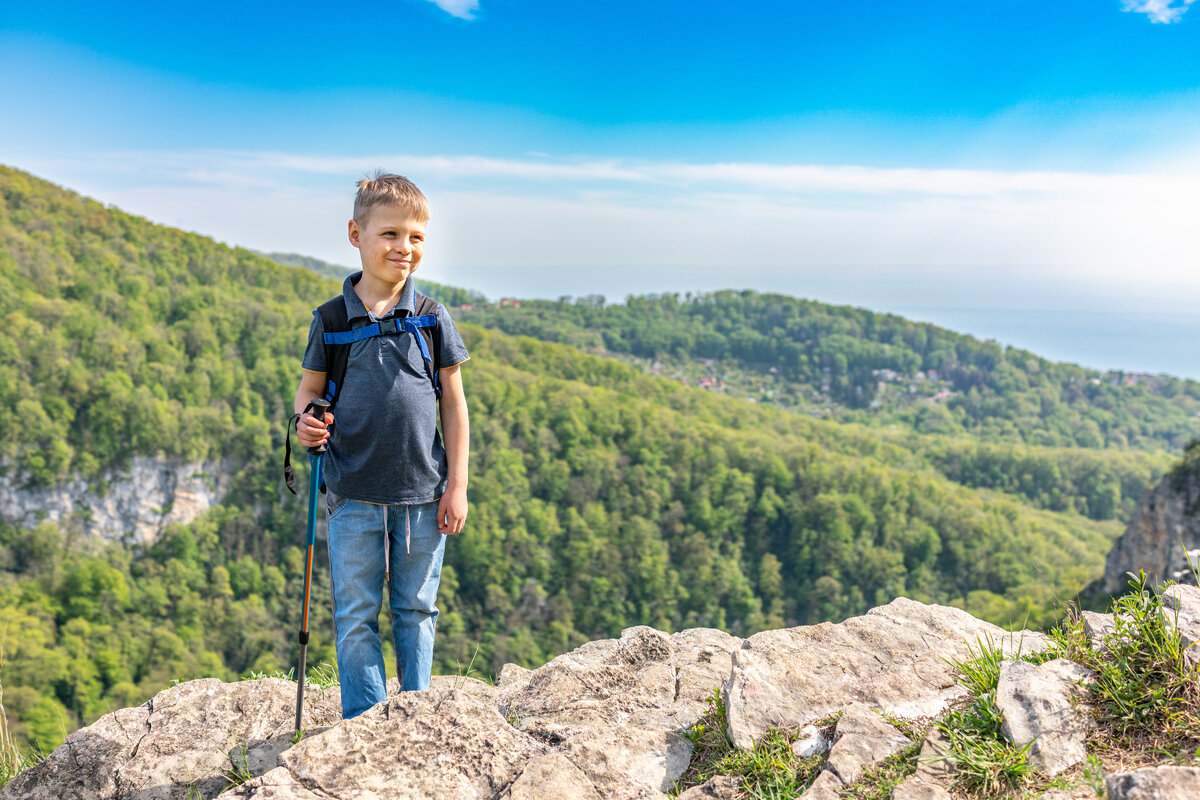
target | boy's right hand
x=311, y=432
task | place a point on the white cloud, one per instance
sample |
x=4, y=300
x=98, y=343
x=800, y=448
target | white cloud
x=1164, y=11
x=463, y=9
x=861, y=234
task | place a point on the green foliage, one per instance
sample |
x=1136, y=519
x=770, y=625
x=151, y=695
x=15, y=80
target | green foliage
x=987, y=763
x=860, y=366
x=1145, y=684
x=878, y=782
x=239, y=766
x=768, y=771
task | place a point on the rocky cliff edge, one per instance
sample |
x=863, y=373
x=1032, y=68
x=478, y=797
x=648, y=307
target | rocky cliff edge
x=603, y=721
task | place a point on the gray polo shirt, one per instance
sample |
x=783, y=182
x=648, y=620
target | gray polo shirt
x=384, y=446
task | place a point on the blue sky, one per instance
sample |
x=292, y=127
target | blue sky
x=923, y=157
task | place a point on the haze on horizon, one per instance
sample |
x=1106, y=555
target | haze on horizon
x=1026, y=171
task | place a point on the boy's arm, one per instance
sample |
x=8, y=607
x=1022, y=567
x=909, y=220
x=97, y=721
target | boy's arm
x=452, y=510
x=310, y=432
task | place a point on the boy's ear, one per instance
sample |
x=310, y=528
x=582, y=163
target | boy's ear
x=353, y=233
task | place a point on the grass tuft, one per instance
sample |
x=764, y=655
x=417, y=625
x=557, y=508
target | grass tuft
x=768, y=771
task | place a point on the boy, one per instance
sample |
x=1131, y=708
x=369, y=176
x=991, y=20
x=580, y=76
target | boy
x=394, y=492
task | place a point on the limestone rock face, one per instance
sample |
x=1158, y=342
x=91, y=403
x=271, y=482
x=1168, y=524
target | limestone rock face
x=138, y=503
x=1154, y=783
x=1165, y=526
x=1040, y=705
x=893, y=658
x=606, y=720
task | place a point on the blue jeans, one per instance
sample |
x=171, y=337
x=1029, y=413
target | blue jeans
x=363, y=537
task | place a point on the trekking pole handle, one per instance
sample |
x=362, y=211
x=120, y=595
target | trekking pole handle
x=318, y=411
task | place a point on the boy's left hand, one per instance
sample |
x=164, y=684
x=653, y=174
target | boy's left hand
x=452, y=511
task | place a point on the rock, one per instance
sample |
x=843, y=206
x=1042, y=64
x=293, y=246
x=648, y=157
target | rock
x=440, y=743
x=1040, y=705
x=1096, y=625
x=552, y=775
x=472, y=687
x=1164, y=527
x=863, y=738
x=185, y=736
x=626, y=762
x=934, y=762
x=87, y=763
x=1181, y=610
x=510, y=674
x=913, y=788
x=827, y=786
x=721, y=787
x=702, y=658
x=1154, y=783
x=894, y=657
x=646, y=679
x=277, y=784
x=1078, y=793
x=809, y=742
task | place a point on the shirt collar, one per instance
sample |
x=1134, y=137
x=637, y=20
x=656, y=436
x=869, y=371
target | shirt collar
x=405, y=306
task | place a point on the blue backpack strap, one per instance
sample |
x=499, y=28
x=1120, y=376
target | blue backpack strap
x=334, y=321
x=429, y=336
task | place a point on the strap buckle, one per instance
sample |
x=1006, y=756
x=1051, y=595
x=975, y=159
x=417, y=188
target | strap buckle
x=388, y=325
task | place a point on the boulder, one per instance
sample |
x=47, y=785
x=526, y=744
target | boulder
x=441, y=743
x=864, y=738
x=182, y=741
x=895, y=657
x=1041, y=706
x=1154, y=783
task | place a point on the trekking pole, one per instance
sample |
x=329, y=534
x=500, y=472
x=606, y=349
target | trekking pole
x=315, y=455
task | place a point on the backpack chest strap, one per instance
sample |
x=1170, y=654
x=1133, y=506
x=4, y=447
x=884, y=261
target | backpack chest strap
x=385, y=327
x=393, y=325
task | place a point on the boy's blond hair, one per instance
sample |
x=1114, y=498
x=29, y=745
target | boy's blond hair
x=386, y=188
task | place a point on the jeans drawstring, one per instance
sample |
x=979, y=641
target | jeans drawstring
x=387, y=541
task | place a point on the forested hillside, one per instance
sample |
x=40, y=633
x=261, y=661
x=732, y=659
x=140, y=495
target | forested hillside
x=856, y=365
x=601, y=497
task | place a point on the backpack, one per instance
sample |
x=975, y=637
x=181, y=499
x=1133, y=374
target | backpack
x=338, y=337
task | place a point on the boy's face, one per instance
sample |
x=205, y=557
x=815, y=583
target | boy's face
x=390, y=244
